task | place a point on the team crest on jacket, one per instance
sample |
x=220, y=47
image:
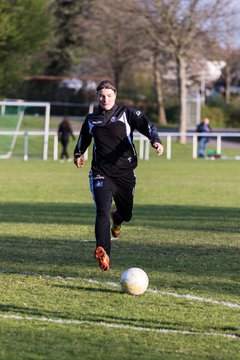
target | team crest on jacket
x=113, y=119
x=138, y=113
x=98, y=184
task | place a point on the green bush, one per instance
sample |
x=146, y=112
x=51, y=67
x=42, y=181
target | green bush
x=233, y=112
x=233, y=115
x=222, y=115
x=215, y=101
x=217, y=116
x=172, y=113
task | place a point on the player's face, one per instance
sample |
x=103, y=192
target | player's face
x=106, y=98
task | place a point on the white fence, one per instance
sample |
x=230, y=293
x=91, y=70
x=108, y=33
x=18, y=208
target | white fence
x=144, y=145
x=194, y=140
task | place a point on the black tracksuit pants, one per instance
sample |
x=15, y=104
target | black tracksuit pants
x=104, y=189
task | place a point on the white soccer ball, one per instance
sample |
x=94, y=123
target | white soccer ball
x=134, y=281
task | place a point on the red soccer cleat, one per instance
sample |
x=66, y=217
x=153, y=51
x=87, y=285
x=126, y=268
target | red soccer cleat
x=115, y=229
x=102, y=258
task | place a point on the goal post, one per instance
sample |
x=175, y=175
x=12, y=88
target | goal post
x=22, y=105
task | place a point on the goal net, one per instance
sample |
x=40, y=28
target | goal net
x=24, y=129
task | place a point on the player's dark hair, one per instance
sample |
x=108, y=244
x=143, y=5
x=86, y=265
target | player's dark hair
x=106, y=84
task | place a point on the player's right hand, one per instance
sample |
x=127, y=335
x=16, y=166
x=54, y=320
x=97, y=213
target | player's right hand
x=159, y=148
x=78, y=161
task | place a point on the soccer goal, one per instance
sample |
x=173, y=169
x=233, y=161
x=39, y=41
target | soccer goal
x=21, y=120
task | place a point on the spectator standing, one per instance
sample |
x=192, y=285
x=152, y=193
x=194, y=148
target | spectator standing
x=203, y=127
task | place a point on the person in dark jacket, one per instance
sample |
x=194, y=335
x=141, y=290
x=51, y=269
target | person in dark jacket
x=64, y=133
x=203, y=127
x=113, y=162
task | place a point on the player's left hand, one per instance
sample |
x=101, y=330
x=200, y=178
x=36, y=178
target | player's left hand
x=159, y=148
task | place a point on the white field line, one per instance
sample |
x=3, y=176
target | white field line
x=197, y=298
x=116, y=326
x=109, y=283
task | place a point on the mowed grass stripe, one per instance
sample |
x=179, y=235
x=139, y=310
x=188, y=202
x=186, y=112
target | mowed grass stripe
x=189, y=297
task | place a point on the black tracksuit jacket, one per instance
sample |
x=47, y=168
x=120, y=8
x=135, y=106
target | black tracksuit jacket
x=114, y=153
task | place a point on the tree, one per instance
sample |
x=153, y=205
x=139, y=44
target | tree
x=115, y=38
x=158, y=82
x=24, y=29
x=68, y=18
x=186, y=29
x=231, y=70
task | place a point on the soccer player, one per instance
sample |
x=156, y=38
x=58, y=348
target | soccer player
x=113, y=162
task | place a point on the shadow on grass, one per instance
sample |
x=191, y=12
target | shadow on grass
x=21, y=310
x=116, y=319
x=47, y=213
x=90, y=289
x=179, y=267
x=175, y=217
x=210, y=267
x=96, y=317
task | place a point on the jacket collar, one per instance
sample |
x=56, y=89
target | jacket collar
x=107, y=112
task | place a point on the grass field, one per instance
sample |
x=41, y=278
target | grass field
x=185, y=233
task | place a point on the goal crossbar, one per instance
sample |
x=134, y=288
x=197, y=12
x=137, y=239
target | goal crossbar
x=46, y=105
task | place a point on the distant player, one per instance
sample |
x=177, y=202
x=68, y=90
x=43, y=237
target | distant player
x=113, y=163
x=64, y=133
